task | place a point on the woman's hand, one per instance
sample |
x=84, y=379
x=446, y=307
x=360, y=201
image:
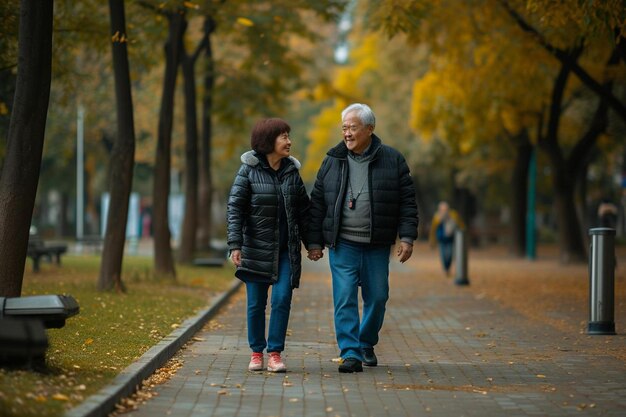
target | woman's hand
x=235, y=256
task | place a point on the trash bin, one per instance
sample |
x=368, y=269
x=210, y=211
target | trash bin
x=460, y=258
x=601, y=281
x=51, y=310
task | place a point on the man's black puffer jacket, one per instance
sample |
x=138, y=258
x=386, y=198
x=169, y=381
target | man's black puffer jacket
x=253, y=222
x=392, y=196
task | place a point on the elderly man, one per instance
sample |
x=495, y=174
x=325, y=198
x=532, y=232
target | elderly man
x=362, y=201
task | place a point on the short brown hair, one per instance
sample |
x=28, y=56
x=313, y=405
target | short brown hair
x=265, y=132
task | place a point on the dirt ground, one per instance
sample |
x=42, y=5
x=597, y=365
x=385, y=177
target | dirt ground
x=543, y=289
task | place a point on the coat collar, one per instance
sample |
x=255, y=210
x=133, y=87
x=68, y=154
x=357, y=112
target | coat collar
x=253, y=159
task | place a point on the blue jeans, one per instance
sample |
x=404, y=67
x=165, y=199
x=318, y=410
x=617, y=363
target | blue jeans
x=445, y=249
x=279, y=314
x=353, y=264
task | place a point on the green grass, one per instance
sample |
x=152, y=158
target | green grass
x=110, y=332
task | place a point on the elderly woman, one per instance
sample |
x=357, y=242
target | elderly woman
x=267, y=211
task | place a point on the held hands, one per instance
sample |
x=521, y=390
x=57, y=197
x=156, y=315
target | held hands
x=405, y=250
x=315, y=254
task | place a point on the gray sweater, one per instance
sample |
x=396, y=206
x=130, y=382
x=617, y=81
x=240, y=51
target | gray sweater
x=355, y=224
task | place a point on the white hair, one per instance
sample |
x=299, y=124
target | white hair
x=363, y=112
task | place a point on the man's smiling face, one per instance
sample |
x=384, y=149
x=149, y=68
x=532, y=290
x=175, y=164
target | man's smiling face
x=356, y=135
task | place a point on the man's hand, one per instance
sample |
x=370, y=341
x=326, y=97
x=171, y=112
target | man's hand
x=315, y=254
x=235, y=256
x=405, y=250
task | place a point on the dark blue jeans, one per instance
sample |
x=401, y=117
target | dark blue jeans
x=445, y=250
x=351, y=264
x=279, y=313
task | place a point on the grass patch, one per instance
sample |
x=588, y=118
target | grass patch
x=110, y=332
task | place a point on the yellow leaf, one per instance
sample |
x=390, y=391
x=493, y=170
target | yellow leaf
x=89, y=341
x=60, y=397
x=245, y=21
x=540, y=376
x=191, y=5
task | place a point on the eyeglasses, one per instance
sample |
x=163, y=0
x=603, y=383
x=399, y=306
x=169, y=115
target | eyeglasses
x=351, y=128
x=284, y=136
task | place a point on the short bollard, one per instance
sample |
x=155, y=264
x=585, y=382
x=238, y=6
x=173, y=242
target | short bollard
x=460, y=258
x=602, y=281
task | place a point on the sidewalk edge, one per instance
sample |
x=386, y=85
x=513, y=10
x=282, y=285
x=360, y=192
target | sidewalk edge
x=103, y=402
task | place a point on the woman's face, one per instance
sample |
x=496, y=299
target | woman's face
x=282, y=146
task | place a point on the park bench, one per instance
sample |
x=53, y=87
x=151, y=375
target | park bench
x=37, y=249
x=91, y=242
x=23, y=320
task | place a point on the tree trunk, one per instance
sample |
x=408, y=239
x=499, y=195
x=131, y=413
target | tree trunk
x=206, y=186
x=566, y=170
x=20, y=175
x=422, y=230
x=163, y=259
x=572, y=248
x=122, y=158
x=190, y=221
x=519, y=193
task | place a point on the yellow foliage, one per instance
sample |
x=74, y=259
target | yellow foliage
x=423, y=103
x=191, y=5
x=344, y=90
x=245, y=21
x=323, y=135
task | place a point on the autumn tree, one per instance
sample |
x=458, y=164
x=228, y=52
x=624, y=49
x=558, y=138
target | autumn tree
x=18, y=183
x=205, y=181
x=122, y=156
x=190, y=219
x=163, y=258
x=255, y=75
x=470, y=63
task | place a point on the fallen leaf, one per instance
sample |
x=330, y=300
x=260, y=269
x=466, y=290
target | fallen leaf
x=245, y=21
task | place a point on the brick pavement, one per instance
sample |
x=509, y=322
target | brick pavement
x=444, y=351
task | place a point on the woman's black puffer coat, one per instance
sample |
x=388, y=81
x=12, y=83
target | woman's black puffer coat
x=253, y=217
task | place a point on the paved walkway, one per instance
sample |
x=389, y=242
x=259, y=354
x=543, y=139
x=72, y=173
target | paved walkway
x=444, y=352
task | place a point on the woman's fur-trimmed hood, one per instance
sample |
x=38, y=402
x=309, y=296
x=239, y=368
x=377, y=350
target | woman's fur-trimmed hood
x=250, y=158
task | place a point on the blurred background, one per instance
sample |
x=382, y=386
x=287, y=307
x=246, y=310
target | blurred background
x=512, y=111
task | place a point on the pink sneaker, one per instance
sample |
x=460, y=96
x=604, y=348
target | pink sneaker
x=275, y=363
x=256, y=362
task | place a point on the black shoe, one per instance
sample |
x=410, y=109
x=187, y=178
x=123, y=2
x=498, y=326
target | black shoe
x=350, y=365
x=369, y=357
